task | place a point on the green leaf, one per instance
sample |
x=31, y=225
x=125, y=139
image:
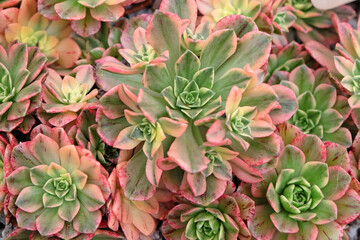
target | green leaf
x=274, y=198
x=284, y=177
x=85, y=221
x=91, y=197
x=331, y=120
x=152, y=104
x=284, y=223
x=133, y=178
x=38, y=175
x=348, y=207
x=185, y=9
x=186, y=152
x=332, y=229
x=338, y=184
x=326, y=212
x=307, y=230
x=312, y=147
x=260, y=225
x=163, y=33
x=291, y=158
x=252, y=49
x=187, y=65
x=316, y=196
x=18, y=180
x=218, y=47
x=47, y=227
x=51, y=201
x=316, y=173
x=306, y=101
x=30, y=199
x=205, y=78
x=304, y=78
x=325, y=96
x=156, y=77
x=233, y=77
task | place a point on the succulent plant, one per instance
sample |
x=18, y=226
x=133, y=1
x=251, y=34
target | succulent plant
x=354, y=164
x=170, y=115
x=136, y=218
x=51, y=37
x=344, y=65
x=222, y=219
x=21, y=70
x=106, y=42
x=59, y=188
x=214, y=10
x=321, y=111
x=65, y=98
x=84, y=134
x=314, y=24
x=7, y=142
x=85, y=16
x=307, y=195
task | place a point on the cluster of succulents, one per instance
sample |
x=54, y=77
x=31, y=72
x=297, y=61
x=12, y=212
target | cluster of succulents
x=198, y=119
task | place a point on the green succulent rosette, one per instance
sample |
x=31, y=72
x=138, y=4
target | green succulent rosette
x=58, y=189
x=307, y=196
x=21, y=71
x=321, y=111
x=222, y=219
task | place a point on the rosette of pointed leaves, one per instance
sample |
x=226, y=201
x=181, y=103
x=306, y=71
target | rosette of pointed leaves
x=307, y=196
x=214, y=10
x=284, y=59
x=344, y=65
x=59, y=188
x=65, y=98
x=21, y=71
x=321, y=111
x=312, y=23
x=192, y=92
x=137, y=219
x=85, y=16
x=84, y=134
x=51, y=37
x=104, y=43
x=222, y=219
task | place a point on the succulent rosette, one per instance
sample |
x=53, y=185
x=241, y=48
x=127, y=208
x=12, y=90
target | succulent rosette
x=214, y=10
x=21, y=70
x=170, y=115
x=85, y=16
x=104, y=43
x=283, y=60
x=51, y=37
x=222, y=219
x=321, y=112
x=65, y=98
x=307, y=196
x=84, y=133
x=314, y=24
x=58, y=188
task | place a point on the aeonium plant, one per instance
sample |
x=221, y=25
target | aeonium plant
x=307, y=195
x=221, y=219
x=321, y=110
x=22, y=71
x=63, y=99
x=58, y=188
x=170, y=116
x=26, y=25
